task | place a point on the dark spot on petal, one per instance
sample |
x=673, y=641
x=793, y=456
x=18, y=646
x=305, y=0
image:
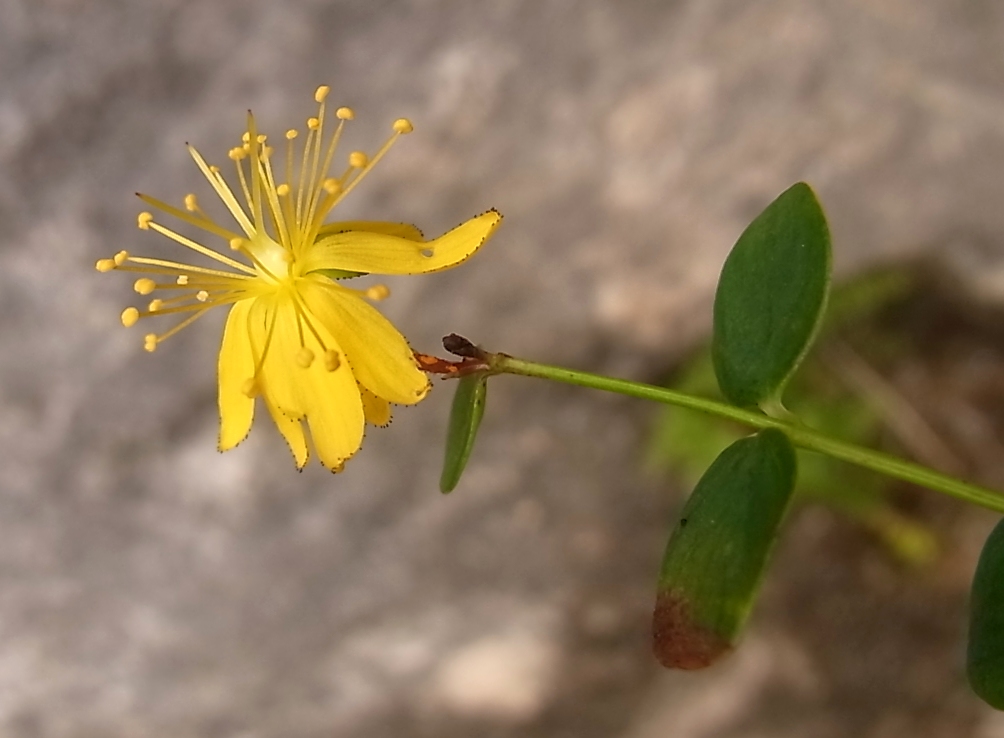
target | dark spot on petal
x=677, y=641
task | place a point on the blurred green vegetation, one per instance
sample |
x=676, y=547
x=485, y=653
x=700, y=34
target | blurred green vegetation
x=839, y=389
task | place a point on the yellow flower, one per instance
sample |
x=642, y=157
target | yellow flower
x=314, y=350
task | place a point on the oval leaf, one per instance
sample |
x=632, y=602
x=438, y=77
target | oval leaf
x=770, y=298
x=985, y=655
x=465, y=417
x=718, y=551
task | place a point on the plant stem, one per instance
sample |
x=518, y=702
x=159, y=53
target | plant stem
x=800, y=435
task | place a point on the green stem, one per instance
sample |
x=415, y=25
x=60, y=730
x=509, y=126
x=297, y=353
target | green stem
x=800, y=435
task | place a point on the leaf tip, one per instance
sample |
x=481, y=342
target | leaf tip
x=678, y=641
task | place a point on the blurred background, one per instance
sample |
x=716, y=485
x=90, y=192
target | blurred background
x=152, y=587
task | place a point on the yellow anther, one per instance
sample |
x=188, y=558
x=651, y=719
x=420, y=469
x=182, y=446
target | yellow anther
x=237, y=153
x=378, y=292
x=403, y=125
x=250, y=388
x=150, y=342
x=105, y=265
x=282, y=190
x=143, y=220
x=345, y=114
x=191, y=203
x=291, y=134
x=331, y=185
x=129, y=317
x=182, y=279
x=358, y=159
x=246, y=137
x=237, y=244
x=262, y=138
x=321, y=93
x=214, y=169
x=304, y=357
x=202, y=295
x=120, y=258
x=331, y=360
x=144, y=285
x=155, y=305
x=266, y=152
x=313, y=124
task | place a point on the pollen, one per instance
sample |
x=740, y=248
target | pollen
x=129, y=317
x=144, y=286
x=304, y=357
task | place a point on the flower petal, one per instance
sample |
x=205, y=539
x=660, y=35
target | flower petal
x=401, y=230
x=235, y=367
x=376, y=409
x=361, y=251
x=292, y=431
x=380, y=356
x=328, y=400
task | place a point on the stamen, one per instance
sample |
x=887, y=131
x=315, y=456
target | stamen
x=150, y=342
x=358, y=159
x=202, y=295
x=120, y=258
x=282, y=190
x=183, y=279
x=345, y=114
x=129, y=317
x=377, y=292
x=143, y=220
x=321, y=93
x=144, y=285
x=403, y=125
x=155, y=305
x=105, y=265
x=192, y=203
x=332, y=360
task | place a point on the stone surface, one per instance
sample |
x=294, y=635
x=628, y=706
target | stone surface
x=150, y=587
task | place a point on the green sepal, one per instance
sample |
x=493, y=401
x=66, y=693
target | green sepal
x=465, y=417
x=770, y=299
x=719, y=549
x=985, y=655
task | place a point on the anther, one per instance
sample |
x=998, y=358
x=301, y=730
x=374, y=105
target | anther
x=214, y=169
x=150, y=342
x=155, y=305
x=304, y=357
x=345, y=114
x=331, y=360
x=321, y=93
x=291, y=134
x=282, y=190
x=358, y=159
x=250, y=388
x=202, y=295
x=105, y=265
x=237, y=153
x=403, y=125
x=144, y=285
x=246, y=137
x=191, y=203
x=129, y=317
x=313, y=124
x=378, y=292
x=236, y=244
x=120, y=258
x=182, y=279
x=143, y=220
x=262, y=138
x=331, y=185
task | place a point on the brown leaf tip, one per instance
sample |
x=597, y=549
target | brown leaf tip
x=677, y=641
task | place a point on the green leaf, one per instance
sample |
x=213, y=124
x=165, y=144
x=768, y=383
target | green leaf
x=985, y=656
x=770, y=298
x=465, y=417
x=718, y=551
